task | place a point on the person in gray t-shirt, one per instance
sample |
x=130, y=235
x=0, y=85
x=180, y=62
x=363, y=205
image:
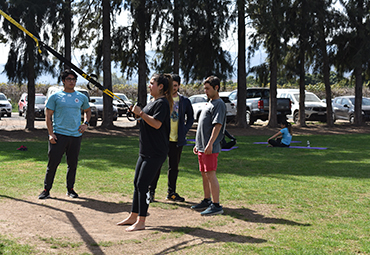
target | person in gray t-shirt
x=211, y=128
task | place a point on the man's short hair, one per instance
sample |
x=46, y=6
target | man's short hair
x=213, y=81
x=177, y=78
x=67, y=72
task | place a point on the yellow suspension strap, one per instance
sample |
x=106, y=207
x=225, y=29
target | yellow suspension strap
x=11, y=20
x=130, y=114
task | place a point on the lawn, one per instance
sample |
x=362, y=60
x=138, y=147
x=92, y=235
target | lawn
x=318, y=201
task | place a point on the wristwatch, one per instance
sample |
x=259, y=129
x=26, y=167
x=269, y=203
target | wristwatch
x=86, y=123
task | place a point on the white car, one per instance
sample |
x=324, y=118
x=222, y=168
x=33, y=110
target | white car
x=315, y=109
x=122, y=107
x=5, y=106
x=199, y=101
x=230, y=106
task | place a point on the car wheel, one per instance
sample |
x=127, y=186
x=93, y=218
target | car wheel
x=334, y=119
x=352, y=119
x=248, y=118
x=295, y=117
x=9, y=115
x=20, y=113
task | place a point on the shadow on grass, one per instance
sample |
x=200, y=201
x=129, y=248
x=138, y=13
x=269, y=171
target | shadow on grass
x=252, y=216
x=200, y=234
x=242, y=214
x=89, y=203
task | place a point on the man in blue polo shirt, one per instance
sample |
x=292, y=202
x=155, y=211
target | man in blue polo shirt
x=63, y=121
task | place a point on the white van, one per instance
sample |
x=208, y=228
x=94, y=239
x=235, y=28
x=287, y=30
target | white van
x=94, y=114
x=315, y=109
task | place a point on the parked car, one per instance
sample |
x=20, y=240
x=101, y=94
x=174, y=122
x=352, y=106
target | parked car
x=98, y=102
x=230, y=106
x=315, y=109
x=5, y=105
x=121, y=107
x=258, y=105
x=94, y=114
x=199, y=101
x=22, y=103
x=344, y=108
x=39, y=107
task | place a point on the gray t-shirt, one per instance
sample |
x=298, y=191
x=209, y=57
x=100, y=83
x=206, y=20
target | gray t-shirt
x=214, y=112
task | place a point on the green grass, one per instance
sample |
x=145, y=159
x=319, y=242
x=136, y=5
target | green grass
x=318, y=201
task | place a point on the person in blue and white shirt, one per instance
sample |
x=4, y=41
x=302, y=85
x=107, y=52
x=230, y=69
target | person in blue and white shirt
x=283, y=137
x=63, y=121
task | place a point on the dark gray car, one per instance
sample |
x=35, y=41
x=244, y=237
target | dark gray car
x=98, y=102
x=344, y=108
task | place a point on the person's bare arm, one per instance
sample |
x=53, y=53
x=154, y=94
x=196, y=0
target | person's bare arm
x=215, y=131
x=147, y=118
x=49, y=125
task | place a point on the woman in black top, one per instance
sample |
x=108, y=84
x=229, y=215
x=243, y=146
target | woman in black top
x=154, y=140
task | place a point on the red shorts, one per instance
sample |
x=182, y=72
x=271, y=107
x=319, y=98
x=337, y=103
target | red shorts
x=207, y=162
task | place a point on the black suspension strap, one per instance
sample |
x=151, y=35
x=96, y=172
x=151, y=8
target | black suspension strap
x=130, y=114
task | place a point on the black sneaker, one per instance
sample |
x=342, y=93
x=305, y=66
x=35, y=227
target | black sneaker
x=44, y=194
x=205, y=203
x=212, y=210
x=71, y=193
x=175, y=197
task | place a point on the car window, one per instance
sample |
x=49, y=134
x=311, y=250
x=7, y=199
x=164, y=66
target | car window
x=265, y=93
x=201, y=100
x=2, y=97
x=309, y=98
x=365, y=101
x=98, y=100
x=225, y=99
x=40, y=100
x=122, y=96
x=252, y=93
x=348, y=102
x=232, y=96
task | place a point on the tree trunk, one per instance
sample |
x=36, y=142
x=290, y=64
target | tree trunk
x=273, y=92
x=326, y=73
x=176, y=54
x=107, y=74
x=30, y=125
x=358, y=96
x=242, y=79
x=274, y=53
x=67, y=33
x=302, y=95
x=142, y=89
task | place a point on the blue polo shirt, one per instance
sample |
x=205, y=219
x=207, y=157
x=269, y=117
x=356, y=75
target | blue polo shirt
x=67, y=112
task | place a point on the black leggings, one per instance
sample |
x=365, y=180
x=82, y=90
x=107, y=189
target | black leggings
x=174, y=155
x=145, y=171
x=277, y=143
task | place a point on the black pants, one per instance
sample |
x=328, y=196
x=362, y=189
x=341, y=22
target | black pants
x=174, y=155
x=145, y=171
x=277, y=143
x=65, y=144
